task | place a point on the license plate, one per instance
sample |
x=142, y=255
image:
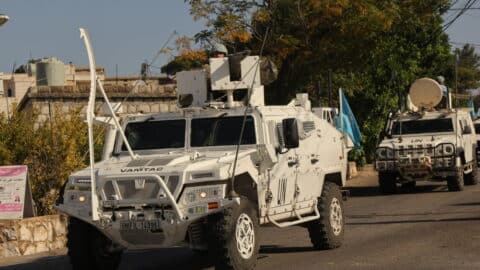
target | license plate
x=140, y=225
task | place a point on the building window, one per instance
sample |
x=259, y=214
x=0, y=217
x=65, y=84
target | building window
x=9, y=92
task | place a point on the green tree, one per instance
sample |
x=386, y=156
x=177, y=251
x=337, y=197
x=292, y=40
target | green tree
x=51, y=150
x=468, y=68
x=374, y=49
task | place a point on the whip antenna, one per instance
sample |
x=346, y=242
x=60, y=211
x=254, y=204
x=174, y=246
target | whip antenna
x=233, y=194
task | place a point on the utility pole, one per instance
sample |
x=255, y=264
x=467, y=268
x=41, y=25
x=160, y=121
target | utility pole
x=456, y=78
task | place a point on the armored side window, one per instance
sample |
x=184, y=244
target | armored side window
x=221, y=131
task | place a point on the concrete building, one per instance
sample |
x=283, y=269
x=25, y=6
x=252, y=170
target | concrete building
x=13, y=88
x=45, y=85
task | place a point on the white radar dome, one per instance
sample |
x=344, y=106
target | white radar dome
x=425, y=93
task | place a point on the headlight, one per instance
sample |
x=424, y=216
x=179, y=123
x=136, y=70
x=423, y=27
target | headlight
x=384, y=153
x=202, y=194
x=76, y=197
x=445, y=149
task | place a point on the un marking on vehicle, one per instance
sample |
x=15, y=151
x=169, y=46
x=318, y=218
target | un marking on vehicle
x=141, y=169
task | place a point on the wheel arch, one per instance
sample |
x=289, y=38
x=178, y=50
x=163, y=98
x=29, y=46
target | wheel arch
x=246, y=186
x=335, y=177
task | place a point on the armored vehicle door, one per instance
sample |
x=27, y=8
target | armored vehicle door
x=283, y=176
x=468, y=137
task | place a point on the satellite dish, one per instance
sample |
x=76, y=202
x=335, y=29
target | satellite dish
x=425, y=93
x=3, y=19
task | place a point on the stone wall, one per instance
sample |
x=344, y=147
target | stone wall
x=32, y=235
x=150, y=98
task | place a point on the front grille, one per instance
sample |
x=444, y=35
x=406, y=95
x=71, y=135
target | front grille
x=143, y=189
x=137, y=188
x=414, y=151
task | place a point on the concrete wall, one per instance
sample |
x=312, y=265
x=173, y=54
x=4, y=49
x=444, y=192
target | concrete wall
x=45, y=101
x=32, y=235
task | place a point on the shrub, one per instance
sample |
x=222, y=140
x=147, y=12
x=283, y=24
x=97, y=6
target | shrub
x=52, y=150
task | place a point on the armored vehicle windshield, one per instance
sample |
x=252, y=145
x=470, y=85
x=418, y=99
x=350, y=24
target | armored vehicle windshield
x=204, y=132
x=156, y=134
x=422, y=126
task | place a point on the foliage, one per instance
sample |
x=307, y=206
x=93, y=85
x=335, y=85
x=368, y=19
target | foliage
x=374, y=49
x=186, y=59
x=468, y=68
x=52, y=151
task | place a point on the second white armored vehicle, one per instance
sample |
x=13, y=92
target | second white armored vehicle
x=184, y=183
x=425, y=143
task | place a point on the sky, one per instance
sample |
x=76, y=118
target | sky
x=123, y=33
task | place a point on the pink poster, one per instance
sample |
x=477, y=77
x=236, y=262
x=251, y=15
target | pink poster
x=13, y=180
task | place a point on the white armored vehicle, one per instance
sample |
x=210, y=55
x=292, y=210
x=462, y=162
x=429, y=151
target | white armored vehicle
x=427, y=144
x=183, y=178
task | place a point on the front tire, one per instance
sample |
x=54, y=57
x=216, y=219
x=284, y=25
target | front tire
x=327, y=231
x=456, y=183
x=472, y=178
x=409, y=186
x=233, y=237
x=90, y=249
x=387, y=182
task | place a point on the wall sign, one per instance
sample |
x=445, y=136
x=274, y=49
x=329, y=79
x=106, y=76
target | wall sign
x=15, y=193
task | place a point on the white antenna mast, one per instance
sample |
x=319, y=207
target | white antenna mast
x=91, y=118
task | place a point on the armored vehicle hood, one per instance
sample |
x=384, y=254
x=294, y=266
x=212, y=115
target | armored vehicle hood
x=192, y=166
x=417, y=141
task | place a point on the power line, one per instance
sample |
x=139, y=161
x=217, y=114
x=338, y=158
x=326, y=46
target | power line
x=468, y=5
x=472, y=8
x=465, y=43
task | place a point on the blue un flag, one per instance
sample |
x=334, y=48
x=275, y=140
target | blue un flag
x=350, y=125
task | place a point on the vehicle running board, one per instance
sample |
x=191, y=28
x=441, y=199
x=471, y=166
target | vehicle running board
x=299, y=220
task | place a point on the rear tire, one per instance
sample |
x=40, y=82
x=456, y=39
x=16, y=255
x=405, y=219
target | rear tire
x=233, y=237
x=90, y=249
x=387, y=182
x=455, y=183
x=327, y=231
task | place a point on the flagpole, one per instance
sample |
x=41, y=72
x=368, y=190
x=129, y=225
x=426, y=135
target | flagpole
x=340, y=113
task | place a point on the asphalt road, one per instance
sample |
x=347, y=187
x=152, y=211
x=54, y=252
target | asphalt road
x=428, y=229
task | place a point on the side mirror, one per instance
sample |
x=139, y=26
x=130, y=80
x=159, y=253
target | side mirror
x=290, y=133
x=467, y=130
